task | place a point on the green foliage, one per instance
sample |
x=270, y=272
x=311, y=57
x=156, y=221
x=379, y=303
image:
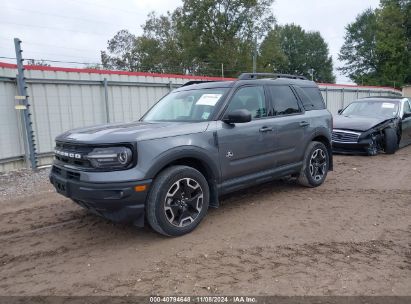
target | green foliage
x=359, y=48
x=291, y=50
x=377, y=48
x=202, y=35
x=196, y=38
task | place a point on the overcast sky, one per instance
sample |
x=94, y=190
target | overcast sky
x=76, y=30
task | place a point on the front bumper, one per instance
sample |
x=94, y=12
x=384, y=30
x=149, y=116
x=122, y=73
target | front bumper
x=118, y=201
x=360, y=147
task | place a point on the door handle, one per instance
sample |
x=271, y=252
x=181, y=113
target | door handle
x=266, y=129
x=304, y=123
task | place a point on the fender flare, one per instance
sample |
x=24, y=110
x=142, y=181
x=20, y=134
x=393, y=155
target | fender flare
x=181, y=152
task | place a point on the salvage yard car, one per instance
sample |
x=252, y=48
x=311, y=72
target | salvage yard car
x=373, y=124
x=197, y=143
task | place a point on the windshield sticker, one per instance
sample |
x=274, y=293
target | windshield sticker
x=205, y=115
x=387, y=105
x=208, y=99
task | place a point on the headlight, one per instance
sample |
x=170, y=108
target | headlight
x=110, y=158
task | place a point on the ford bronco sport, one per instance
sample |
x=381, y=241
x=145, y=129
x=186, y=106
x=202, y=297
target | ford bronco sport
x=198, y=142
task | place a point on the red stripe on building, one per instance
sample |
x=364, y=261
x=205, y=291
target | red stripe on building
x=110, y=72
x=114, y=72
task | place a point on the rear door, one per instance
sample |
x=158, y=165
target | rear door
x=246, y=148
x=289, y=125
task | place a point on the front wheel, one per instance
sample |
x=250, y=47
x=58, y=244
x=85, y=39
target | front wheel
x=315, y=165
x=390, y=141
x=178, y=201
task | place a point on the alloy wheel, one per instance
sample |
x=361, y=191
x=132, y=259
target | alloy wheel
x=183, y=202
x=318, y=164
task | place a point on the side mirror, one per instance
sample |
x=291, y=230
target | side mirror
x=340, y=111
x=238, y=116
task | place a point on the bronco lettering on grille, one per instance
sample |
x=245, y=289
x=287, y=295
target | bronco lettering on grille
x=68, y=154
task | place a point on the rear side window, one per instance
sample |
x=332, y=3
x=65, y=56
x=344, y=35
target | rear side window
x=284, y=100
x=311, y=98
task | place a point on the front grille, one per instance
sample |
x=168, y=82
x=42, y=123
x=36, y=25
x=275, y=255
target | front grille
x=65, y=173
x=56, y=170
x=81, y=150
x=345, y=136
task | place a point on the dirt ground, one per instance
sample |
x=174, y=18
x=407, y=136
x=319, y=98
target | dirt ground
x=351, y=236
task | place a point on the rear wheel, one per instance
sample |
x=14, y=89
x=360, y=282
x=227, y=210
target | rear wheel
x=178, y=201
x=315, y=165
x=390, y=141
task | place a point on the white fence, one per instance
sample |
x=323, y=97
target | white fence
x=63, y=99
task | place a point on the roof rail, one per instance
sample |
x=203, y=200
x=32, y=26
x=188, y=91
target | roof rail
x=250, y=76
x=191, y=82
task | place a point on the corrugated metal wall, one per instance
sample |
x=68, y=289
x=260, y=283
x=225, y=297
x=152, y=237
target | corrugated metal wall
x=340, y=96
x=64, y=99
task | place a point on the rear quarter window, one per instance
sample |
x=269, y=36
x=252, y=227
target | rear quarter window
x=311, y=98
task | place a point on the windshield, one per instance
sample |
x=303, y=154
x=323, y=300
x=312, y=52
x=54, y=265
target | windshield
x=192, y=105
x=372, y=109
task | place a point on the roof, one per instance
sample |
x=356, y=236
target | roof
x=382, y=98
x=207, y=85
x=264, y=81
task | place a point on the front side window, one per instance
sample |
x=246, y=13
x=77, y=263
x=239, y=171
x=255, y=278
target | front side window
x=407, y=108
x=191, y=105
x=284, y=100
x=251, y=99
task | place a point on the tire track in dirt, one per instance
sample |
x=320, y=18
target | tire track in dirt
x=243, y=269
x=349, y=236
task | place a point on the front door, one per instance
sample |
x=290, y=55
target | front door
x=245, y=148
x=406, y=125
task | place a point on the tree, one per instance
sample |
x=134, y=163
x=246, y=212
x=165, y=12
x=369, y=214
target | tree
x=216, y=32
x=290, y=49
x=407, y=25
x=359, y=48
x=271, y=56
x=377, y=47
x=121, y=54
x=391, y=43
x=196, y=38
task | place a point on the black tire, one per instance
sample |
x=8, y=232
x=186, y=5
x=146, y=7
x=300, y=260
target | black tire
x=390, y=141
x=178, y=201
x=314, y=170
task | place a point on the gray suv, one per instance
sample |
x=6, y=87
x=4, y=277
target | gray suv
x=197, y=143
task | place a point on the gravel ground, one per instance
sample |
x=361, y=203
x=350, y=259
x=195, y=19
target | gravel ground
x=21, y=182
x=351, y=236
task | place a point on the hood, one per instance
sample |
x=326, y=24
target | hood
x=131, y=132
x=357, y=123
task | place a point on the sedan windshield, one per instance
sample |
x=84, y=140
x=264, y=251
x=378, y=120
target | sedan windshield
x=372, y=109
x=192, y=105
